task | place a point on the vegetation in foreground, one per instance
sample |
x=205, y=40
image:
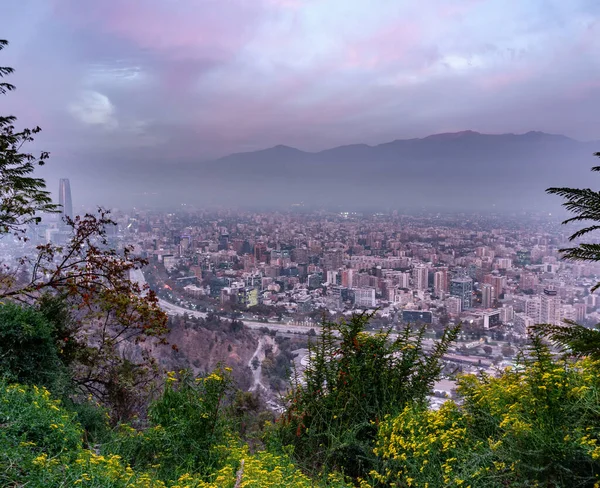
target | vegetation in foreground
x=534, y=425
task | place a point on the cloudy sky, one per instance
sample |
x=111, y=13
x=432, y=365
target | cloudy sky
x=196, y=79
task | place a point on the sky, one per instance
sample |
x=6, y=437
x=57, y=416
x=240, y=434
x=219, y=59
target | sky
x=185, y=80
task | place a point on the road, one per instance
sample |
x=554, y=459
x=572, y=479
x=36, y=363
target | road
x=282, y=328
x=259, y=355
x=279, y=327
x=174, y=310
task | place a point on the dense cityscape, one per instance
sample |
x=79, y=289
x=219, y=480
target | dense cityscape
x=496, y=274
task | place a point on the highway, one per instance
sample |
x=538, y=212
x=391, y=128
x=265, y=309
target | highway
x=177, y=310
x=174, y=310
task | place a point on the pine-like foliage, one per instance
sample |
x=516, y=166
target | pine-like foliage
x=573, y=338
x=4, y=70
x=584, y=203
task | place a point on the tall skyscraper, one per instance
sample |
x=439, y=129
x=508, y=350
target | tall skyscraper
x=404, y=280
x=64, y=198
x=580, y=310
x=454, y=305
x=348, y=278
x=260, y=252
x=533, y=308
x=440, y=282
x=498, y=283
x=462, y=287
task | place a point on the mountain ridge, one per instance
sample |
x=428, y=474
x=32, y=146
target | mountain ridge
x=462, y=171
x=442, y=136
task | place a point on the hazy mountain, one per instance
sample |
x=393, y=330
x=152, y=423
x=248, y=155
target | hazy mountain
x=453, y=171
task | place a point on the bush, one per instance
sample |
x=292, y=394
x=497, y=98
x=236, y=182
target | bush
x=350, y=384
x=41, y=447
x=29, y=415
x=28, y=349
x=533, y=426
x=186, y=423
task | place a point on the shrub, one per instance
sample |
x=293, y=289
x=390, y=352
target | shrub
x=28, y=350
x=537, y=425
x=29, y=415
x=186, y=423
x=350, y=384
x=41, y=447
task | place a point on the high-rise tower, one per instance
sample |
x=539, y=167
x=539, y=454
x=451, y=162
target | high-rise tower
x=487, y=295
x=420, y=277
x=462, y=287
x=64, y=198
x=550, y=307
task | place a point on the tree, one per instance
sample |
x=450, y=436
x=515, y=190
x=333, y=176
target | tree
x=584, y=203
x=107, y=308
x=22, y=197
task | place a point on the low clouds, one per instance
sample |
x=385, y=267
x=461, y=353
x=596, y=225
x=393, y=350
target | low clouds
x=194, y=79
x=95, y=109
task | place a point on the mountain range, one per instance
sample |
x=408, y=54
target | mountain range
x=452, y=171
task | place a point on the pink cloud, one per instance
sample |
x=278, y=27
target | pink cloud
x=189, y=29
x=178, y=41
x=397, y=43
x=457, y=8
x=499, y=81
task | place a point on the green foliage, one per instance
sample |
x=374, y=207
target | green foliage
x=55, y=310
x=22, y=197
x=28, y=348
x=535, y=425
x=250, y=416
x=353, y=380
x=186, y=422
x=41, y=446
x=585, y=204
x=30, y=416
x=277, y=367
x=90, y=281
x=5, y=87
x=573, y=338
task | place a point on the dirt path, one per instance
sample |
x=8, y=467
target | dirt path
x=257, y=373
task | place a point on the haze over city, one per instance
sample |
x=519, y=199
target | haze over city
x=133, y=94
